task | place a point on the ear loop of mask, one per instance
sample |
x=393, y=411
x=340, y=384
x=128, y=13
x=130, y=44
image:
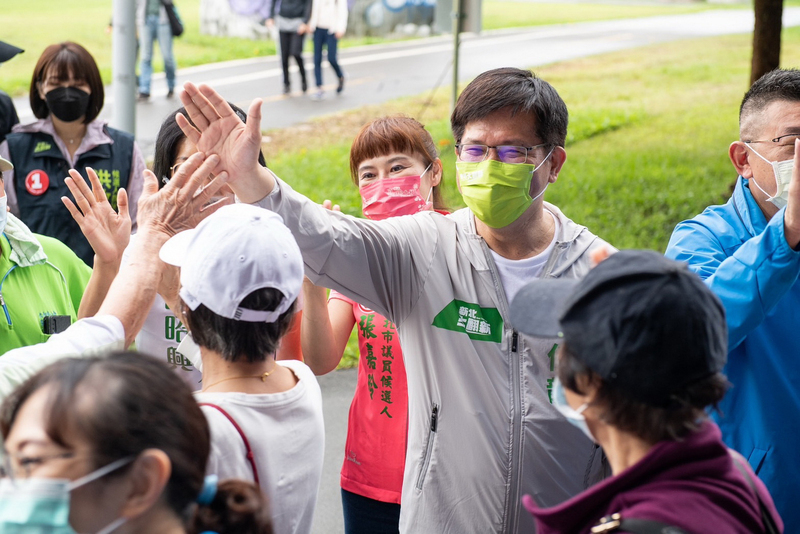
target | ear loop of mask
x=769, y=197
x=428, y=203
x=536, y=169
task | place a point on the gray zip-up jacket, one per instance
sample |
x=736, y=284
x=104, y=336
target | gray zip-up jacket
x=481, y=428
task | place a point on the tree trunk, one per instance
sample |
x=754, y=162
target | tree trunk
x=766, y=37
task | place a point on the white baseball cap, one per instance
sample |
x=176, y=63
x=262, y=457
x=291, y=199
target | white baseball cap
x=5, y=165
x=233, y=252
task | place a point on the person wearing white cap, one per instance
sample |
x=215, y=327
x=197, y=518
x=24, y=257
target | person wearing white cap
x=241, y=273
x=41, y=281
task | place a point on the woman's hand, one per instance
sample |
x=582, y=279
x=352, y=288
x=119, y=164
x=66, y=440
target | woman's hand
x=107, y=231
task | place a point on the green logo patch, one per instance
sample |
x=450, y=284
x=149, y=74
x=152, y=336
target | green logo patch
x=480, y=324
x=42, y=146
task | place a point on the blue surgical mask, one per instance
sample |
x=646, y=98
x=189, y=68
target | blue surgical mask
x=574, y=416
x=3, y=212
x=41, y=505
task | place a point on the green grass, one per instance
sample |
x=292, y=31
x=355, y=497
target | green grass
x=647, y=145
x=510, y=14
x=35, y=24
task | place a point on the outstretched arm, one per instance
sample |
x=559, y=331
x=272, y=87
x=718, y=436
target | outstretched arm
x=179, y=205
x=107, y=231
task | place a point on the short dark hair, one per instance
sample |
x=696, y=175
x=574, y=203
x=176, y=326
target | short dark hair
x=778, y=84
x=519, y=90
x=235, y=340
x=170, y=136
x=650, y=423
x=66, y=58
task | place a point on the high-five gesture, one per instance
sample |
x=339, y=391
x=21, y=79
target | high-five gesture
x=107, y=231
x=218, y=130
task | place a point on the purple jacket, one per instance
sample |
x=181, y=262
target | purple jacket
x=691, y=484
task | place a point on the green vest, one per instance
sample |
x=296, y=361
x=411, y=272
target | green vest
x=28, y=294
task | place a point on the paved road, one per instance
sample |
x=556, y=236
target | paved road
x=379, y=73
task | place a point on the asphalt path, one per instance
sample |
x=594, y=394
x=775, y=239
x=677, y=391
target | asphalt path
x=378, y=73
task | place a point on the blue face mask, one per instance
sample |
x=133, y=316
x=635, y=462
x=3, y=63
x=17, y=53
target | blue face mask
x=41, y=505
x=571, y=414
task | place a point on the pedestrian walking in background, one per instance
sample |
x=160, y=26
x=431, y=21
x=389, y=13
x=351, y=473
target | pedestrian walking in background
x=153, y=23
x=292, y=22
x=328, y=24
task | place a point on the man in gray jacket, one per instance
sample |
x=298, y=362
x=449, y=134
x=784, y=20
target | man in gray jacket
x=481, y=431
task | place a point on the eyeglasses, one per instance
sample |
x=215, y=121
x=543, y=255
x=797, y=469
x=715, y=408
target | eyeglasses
x=505, y=153
x=174, y=168
x=19, y=466
x=783, y=141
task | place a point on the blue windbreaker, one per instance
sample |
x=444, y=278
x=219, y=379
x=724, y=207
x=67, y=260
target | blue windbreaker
x=747, y=262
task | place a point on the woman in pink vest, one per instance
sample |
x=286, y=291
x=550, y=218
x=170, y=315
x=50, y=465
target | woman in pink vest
x=394, y=163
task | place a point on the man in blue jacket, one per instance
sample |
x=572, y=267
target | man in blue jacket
x=748, y=252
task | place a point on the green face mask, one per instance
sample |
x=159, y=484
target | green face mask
x=497, y=193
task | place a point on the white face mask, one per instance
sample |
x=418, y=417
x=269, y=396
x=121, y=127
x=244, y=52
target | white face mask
x=574, y=416
x=783, y=177
x=3, y=213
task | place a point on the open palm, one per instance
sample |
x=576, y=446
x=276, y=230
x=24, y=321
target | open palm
x=218, y=130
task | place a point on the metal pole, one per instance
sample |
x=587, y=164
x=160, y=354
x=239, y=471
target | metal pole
x=123, y=67
x=457, y=15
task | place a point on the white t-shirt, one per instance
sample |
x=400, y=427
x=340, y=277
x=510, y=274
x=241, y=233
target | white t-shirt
x=161, y=334
x=287, y=436
x=514, y=274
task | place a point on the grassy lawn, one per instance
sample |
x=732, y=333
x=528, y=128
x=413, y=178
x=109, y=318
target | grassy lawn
x=647, y=144
x=35, y=24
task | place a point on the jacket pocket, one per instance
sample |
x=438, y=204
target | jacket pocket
x=756, y=459
x=426, y=460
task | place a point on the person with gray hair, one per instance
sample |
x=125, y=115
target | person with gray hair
x=481, y=428
x=748, y=252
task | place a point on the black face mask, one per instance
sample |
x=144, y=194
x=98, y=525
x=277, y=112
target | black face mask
x=67, y=103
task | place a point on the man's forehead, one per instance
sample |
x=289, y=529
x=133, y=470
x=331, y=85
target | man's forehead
x=507, y=124
x=776, y=118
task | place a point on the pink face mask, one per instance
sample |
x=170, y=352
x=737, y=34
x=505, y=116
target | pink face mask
x=392, y=197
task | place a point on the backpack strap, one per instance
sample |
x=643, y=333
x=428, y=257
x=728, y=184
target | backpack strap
x=615, y=523
x=770, y=526
x=249, y=455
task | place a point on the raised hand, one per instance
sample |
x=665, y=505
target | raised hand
x=791, y=220
x=184, y=201
x=218, y=130
x=107, y=231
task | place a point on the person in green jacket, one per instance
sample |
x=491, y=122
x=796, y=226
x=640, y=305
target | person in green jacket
x=41, y=281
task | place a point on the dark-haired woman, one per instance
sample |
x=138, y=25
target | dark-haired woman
x=115, y=444
x=395, y=165
x=66, y=96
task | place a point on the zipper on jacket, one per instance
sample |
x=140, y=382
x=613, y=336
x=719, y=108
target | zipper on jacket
x=429, y=448
x=2, y=300
x=516, y=450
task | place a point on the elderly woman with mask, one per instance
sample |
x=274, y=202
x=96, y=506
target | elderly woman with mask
x=642, y=342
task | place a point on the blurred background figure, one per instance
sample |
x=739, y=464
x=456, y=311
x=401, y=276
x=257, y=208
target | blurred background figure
x=328, y=24
x=292, y=21
x=153, y=24
x=66, y=95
